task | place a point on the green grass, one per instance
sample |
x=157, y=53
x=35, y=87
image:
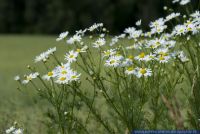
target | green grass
x=16, y=52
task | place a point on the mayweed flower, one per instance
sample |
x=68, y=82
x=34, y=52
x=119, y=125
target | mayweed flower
x=13, y=130
x=71, y=56
x=74, y=39
x=158, y=26
x=179, y=30
x=95, y=26
x=143, y=72
x=109, y=53
x=141, y=57
x=45, y=55
x=49, y=75
x=138, y=23
x=67, y=77
x=99, y=42
x=113, y=61
x=62, y=36
x=51, y=51
x=10, y=130
x=184, y=2
x=29, y=77
x=182, y=56
x=172, y=16
x=18, y=131
x=130, y=71
x=150, y=57
x=17, y=78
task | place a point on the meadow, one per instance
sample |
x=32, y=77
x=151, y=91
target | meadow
x=93, y=82
x=16, y=52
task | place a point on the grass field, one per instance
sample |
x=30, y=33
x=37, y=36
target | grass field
x=16, y=52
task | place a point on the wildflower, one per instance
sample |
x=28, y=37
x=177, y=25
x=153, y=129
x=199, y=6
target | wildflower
x=62, y=36
x=184, y=2
x=74, y=39
x=49, y=75
x=113, y=61
x=74, y=76
x=95, y=26
x=171, y=16
x=29, y=77
x=18, y=131
x=109, y=53
x=150, y=57
x=130, y=71
x=11, y=129
x=50, y=51
x=182, y=56
x=100, y=42
x=179, y=30
x=141, y=57
x=71, y=56
x=140, y=72
x=62, y=79
x=138, y=23
x=42, y=57
x=163, y=58
x=17, y=78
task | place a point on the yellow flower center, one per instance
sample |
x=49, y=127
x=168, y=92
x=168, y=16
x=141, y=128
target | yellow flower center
x=112, y=61
x=130, y=57
x=28, y=78
x=163, y=54
x=130, y=69
x=143, y=71
x=50, y=74
x=74, y=77
x=78, y=50
x=63, y=78
x=107, y=53
x=71, y=56
x=64, y=72
x=142, y=55
x=161, y=58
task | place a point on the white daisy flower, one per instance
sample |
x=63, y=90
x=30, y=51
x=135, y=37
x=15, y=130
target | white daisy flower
x=172, y=16
x=179, y=30
x=62, y=79
x=30, y=77
x=62, y=36
x=74, y=39
x=143, y=72
x=42, y=57
x=71, y=56
x=184, y=2
x=163, y=58
x=99, y=42
x=17, y=78
x=18, y=131
x=50, y=51
x=11, y=129
x=113, y=61
x=141, y=57
x=138, y=23
x=130, y=71
x=95, y=26
x=74, y=76
x=49, y=75
x=109, y=53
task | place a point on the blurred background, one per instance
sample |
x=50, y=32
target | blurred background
x=54, y=16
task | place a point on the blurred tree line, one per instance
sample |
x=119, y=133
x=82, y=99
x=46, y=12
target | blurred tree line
x=54, y=16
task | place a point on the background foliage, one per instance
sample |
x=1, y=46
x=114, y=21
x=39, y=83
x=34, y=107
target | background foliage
x=54, y=16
